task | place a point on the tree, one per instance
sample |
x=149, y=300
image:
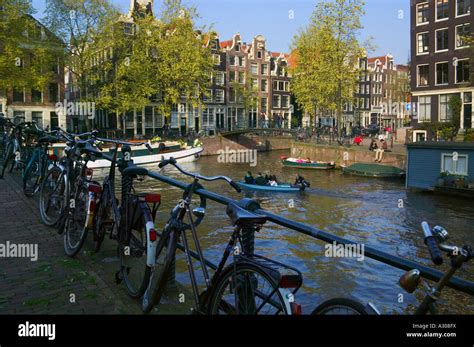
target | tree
x=78, y=22
x=245, y=93
x=27, y=48
x=455, y=106
x=328, y=52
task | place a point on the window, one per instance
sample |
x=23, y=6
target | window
x=422, y=13
x=259, y=55
x=36, y=95
x=442, y=9
x=423, y=75
x=241, y=61
x=254, y=83
x=53, y=92
x=442, y=40
x=455, y=167
x=219, y=96
x=462, y=71
x=445, y=114
x=38, y=118
x=18, y=95
x=241, y=77
x=462, y=32
x=232, y=96
x=424, y=109
x=217, y=59
x=237, y=48
x=254, y=68
x=54, y=120
x=264, y=69
x=232, y=75
x=128, y=28
x=442, y=73
x=285, y=101
x=423, y=43
x=220, y=78
x=277, y=101
x=208, y=95
x=263, y=104
x=463, y=7
x=232, y=60
x=264, y=86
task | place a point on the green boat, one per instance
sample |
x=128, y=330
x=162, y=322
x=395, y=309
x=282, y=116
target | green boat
x=374, y=170
x=304, y=164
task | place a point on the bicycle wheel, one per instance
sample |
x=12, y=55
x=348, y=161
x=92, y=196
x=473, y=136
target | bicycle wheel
x=53, y=196
x=340, y=306
x=99, y=220
x=75, y=232
x=165, y=254
x=31, y=178
x=246, y=290
x=133, y=248
x=7, y=158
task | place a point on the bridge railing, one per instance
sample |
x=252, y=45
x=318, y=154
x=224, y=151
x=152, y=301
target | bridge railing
x=386, y=258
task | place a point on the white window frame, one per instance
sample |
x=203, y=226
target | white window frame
x=447, y=110
x=220, y=81
x=266, y=86
x=217, y=59
x=217, y=92
x=436, y=73
x=416, y=132
x=278, y=105
x=456, y=11
x=238, y=77
x=444, y=155
x=418, y=76
x=418, y=5
x=456, y=72
x=208, y=98
x=436, y=12
x=417, y=47
x=456, y=36
x=436, y=40
x=261, y=69
x=287, y=104
x=426, y=119
x=251, y=70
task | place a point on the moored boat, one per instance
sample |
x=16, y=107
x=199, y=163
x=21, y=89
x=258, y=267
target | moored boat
x=281, y=188
x=305, y=164
x=141, y=154
x=374, y=170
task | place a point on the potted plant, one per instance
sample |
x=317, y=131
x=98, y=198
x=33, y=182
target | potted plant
x=459, y=181
x=442, y=178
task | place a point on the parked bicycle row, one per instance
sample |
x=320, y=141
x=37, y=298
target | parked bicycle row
x=243, y=282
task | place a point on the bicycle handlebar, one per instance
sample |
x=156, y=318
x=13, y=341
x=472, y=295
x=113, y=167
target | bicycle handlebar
x=432, y=244
x=173, y=162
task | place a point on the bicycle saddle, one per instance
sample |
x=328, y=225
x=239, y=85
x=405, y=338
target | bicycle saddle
x=134, y=171
x=239, y=216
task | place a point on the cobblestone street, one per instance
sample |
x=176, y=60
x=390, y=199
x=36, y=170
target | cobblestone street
x=49, y=285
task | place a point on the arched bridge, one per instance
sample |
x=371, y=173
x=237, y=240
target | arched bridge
x=260, y=132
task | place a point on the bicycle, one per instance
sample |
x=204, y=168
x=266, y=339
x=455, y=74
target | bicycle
x=249, y=284
x=131, y=222
x=39, y=164
x=435, y=239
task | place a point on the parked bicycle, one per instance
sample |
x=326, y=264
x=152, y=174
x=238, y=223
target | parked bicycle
x=435, y=239
x=243, y=283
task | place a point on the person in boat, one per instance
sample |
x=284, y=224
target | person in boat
x=308, y=161
x=272, y=181
x=260, y=180
x=301, y=181
x=249, y=178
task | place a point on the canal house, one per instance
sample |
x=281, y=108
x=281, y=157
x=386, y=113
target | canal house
x=442, y=166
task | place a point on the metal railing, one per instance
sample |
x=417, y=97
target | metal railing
x=386, y=258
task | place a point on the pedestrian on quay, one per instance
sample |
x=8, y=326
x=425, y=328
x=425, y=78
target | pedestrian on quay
x=358, y=140
x=373, y=145
x=379, y=151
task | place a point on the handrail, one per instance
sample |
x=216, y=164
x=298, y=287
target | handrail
x=389, y=259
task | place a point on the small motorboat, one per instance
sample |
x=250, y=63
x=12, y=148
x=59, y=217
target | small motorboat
x=374, y=170
x=280, y=188
x=307, y=164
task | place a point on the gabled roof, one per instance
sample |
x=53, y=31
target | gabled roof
x=225, y=44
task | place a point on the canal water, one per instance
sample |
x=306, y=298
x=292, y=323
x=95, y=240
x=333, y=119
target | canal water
x=377, y=213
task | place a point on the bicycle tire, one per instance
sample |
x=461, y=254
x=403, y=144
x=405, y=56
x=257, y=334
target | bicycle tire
x=339, y=304
x=216, y=302
x=30, y=190
x=79, y=218
x=7, y=157
x=135, y=247
x=159, y=275
x=44, y=202
x=97, y=221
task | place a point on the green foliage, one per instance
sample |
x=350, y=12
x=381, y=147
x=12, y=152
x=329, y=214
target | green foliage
x=246, y=93
x=455, y=105
x=440, y=130
x=27, y=49
x=328, y=52
x=469, y=135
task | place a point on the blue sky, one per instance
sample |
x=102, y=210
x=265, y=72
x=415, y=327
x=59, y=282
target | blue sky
x=386, y=21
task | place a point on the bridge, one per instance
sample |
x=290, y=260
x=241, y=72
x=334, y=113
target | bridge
x=260, y=132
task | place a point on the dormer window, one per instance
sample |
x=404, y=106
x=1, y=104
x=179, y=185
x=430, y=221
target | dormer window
x=237, y=48
x=259, y=54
